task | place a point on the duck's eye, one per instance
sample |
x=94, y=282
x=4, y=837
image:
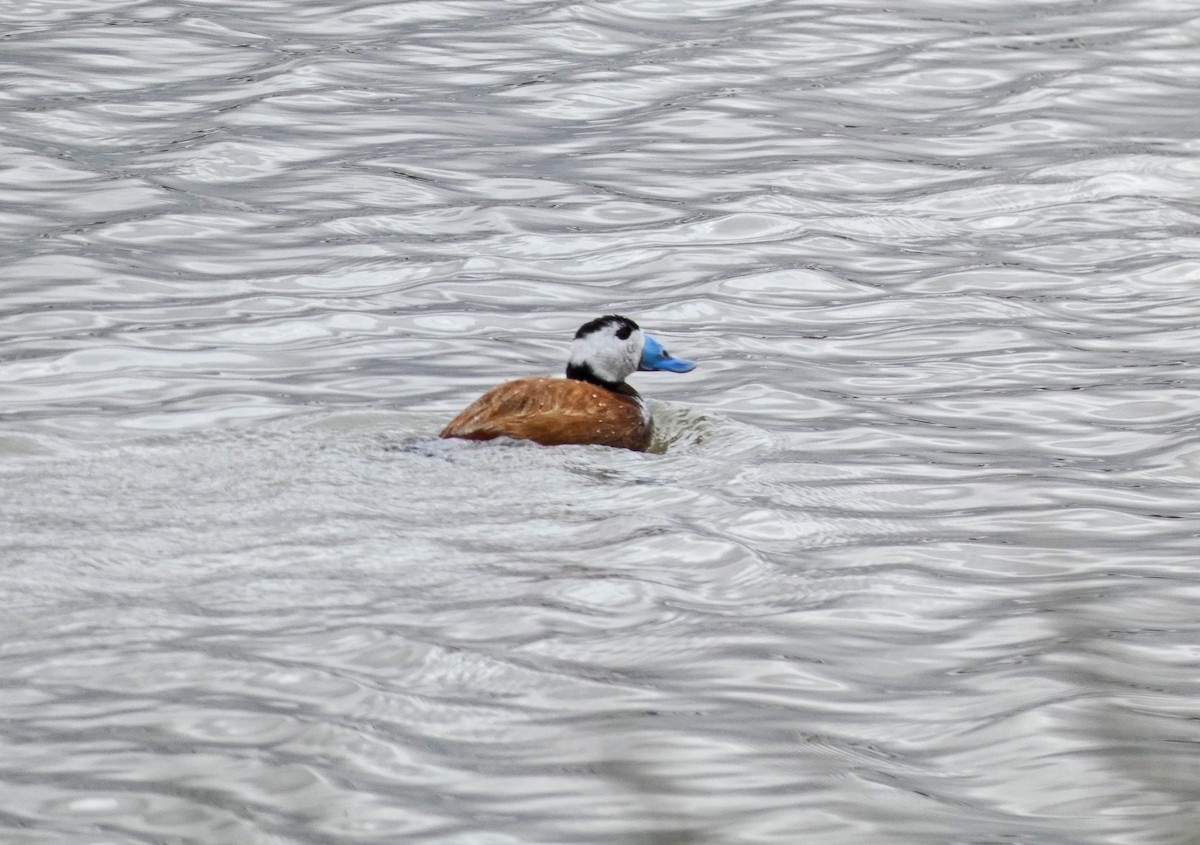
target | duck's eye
x=624, y=332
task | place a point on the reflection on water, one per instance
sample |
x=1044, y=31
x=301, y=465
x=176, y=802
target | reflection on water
x=914, y=562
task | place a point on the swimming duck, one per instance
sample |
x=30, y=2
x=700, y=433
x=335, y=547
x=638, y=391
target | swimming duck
x=592, y=406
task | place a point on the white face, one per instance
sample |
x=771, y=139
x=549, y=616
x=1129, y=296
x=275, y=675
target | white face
x=611, y=358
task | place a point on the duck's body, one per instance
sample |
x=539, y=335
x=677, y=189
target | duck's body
x=556, y=412
x=591, y=406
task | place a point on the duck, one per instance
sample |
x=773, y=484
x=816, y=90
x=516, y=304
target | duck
x=592, y=406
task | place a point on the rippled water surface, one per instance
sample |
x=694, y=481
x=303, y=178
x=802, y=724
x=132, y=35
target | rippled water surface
x=914, y=561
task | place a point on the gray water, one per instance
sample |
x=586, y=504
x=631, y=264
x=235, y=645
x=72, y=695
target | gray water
x=914, y=559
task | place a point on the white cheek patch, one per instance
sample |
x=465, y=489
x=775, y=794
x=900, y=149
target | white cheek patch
x=610, y=358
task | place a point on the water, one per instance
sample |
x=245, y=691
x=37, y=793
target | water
x=915, y=559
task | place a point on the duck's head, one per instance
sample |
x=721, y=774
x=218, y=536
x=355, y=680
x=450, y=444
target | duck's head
x=608, y=349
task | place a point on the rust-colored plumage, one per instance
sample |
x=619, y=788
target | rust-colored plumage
x=556, y=412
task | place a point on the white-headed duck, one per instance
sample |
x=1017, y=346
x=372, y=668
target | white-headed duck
x=592, y=406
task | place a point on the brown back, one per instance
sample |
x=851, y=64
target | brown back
x=555, y=412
